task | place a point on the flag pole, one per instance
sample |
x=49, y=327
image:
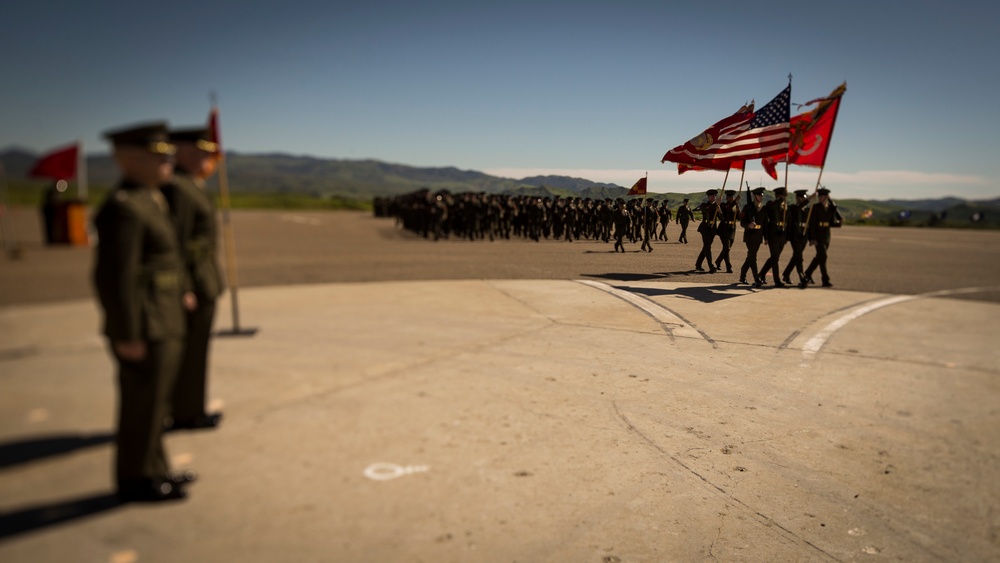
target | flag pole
x=718, y=199
x=81, y=172
x=11, y=243
x=228, y=239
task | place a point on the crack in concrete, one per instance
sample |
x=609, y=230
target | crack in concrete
x=761, y=518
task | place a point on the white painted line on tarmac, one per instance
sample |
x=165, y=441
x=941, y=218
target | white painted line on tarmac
x=667, y=318
x=816, y=343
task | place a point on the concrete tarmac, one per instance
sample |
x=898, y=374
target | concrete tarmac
x=588, y=419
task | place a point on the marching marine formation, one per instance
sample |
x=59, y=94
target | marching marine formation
x=480, y=216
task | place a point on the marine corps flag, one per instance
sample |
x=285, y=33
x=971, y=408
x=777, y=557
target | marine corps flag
x=811, y=132
x=639, y=188
x=58, y=165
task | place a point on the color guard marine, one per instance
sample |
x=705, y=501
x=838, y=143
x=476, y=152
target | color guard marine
x=727, y=229
x=708, y=227
x=754, y=221
x=796, y=230
x=777, y=210
x=822, y=217
x=141, y=286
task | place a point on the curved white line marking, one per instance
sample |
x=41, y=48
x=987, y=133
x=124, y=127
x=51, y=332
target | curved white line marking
x=671, y=322
x=816, y=343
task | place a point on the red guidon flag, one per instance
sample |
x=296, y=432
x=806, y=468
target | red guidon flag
x=58, y=165
x=215, y=137
x=639, y=188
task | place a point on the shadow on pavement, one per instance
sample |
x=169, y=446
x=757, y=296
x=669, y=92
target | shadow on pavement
x=16, y=453
x=41, y=516
x=628, y=276
x=704, y=294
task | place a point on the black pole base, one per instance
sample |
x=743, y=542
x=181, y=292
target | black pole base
x=237, y=332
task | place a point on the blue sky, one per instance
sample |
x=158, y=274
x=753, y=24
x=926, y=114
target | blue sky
x=599, y=90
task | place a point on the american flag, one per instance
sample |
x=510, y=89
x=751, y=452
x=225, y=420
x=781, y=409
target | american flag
x=745, y=135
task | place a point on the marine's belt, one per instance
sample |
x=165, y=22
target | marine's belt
x=161, y=279
x=780, y=224
x=823, y=224
x=753, y=227
x=198, y=250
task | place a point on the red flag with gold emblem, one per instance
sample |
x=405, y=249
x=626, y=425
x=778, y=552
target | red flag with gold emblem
x=811, y=133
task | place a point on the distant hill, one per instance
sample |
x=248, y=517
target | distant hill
x=365, y=179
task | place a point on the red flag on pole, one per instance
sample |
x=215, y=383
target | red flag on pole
x=810, y=144
x=215, y=137
x=213, y=127
x=58, y=165
x=639, y=188
x=811, y=132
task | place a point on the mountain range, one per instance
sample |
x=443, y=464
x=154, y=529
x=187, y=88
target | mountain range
x=366, y=179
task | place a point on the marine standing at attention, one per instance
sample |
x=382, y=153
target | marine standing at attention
x=193, y=215
x=139, y=281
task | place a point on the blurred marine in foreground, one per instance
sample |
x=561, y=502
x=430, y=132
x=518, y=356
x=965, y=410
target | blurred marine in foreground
x=139, y=280
x=193, y=215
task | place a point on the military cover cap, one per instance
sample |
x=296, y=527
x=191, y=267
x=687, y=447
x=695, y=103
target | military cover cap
x=823, y=191
x=712, y=192
x=730, y=193
x=801, y=193
x=200, y=137
x=686, y=200
x=780, y=191
x=759, y=191
x=151, y=136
